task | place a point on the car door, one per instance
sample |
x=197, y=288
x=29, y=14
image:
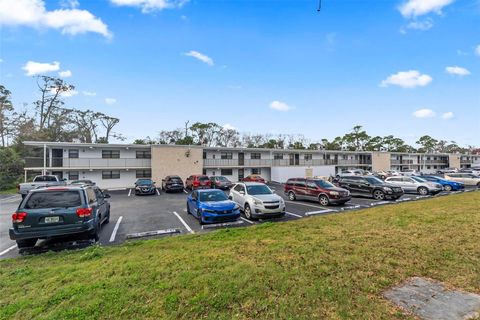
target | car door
x=300, y=188
x=408, y=184
x=193, y=203
x=93, y=202
x=311, y=189
x=363, y=186
x=398, y=181
x=101, y=203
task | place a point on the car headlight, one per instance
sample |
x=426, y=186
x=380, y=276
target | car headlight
x=257, y=202
x=388, y=189
x=237, y=207
x=334, y=193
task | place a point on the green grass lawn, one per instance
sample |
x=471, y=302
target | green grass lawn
x=9, y=191
x=330, y=267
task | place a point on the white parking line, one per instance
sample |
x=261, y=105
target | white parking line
x=158, y=192
x=311, y=213
x=358, y=205
x=183, y=222
x=152, y=233
x=246, y=220
x=8, y=250
x=304, y=204
x=129, y=192
x=114, y=233
x=293, y=214
x=185, y=191
x=379, y=203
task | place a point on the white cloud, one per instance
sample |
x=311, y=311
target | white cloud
x=477, y=50
x=33, y=13
x=1, y=60
x=424, y=113
x=415, y=8
x=200, y=56
x=151, y=5
x=418, y=25
x=33, y=68
x=280, y=106
x=447, y=115
x=407, y=79
x=459, y=71
x=89, y=93
x=65, y=74
x=65, y=94
x=228, y=126
x=110, y=101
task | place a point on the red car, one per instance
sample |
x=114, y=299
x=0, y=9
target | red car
x=254, y=178
x=317, y=190
x=197, y=181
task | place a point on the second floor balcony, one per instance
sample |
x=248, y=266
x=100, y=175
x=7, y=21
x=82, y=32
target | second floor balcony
x=87, y=163
x=218, y=163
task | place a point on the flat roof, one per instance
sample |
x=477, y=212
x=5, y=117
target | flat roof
x=85, y=145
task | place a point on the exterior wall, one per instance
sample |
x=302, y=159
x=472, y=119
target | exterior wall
x=174, y=160
x=381, y=161
x=282, y=174
x=127, y=178
x=454, y=161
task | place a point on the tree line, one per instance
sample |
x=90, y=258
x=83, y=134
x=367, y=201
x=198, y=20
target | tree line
x=214, y=135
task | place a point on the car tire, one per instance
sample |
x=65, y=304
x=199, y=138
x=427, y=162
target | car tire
x=323, y=200
x=292, y=196
x=378, y=195
x=447, y=187
x=94, y=235
x=247, y=211
x=27, y=243
x=478, y=185
x=422, y=191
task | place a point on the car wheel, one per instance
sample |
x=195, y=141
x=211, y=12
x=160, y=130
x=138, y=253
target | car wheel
x=27, y=243
x=447, y=188
x=378, y=195
x=95, y=233
x=423, y=191
x=292, y=196
x=323, y=200
x=248, y=212
x=478, y=185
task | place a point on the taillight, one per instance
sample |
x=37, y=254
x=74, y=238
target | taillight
x=84, y=212
x=196, y=183
x=19, y=217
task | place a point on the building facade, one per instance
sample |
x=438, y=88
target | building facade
x=119, y=165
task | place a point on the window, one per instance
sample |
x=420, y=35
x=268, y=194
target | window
x=239, y=187
x=144, y=173
x=91, y=195
x=226, y=155
x=311, y=185
x=204, y=155
x=73, y=175
x=113, y=174
x=111, y=154
x=144, y=154
x=53, y=199
x=73, y=153
x=308, y=157
x=98, y=193
x=300, y=183
x=255, y=155
x=226, y=172
x=204, y=171
x=256, y=171
x=278, y=156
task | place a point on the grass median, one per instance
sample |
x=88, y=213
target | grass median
x=329, y=267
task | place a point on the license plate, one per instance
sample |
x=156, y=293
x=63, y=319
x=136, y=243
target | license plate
x=52, y=219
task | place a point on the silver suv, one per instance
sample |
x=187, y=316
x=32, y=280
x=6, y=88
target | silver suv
x=257, y=200
x=415, y=184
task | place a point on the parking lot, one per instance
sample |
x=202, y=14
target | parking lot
x=165, y=214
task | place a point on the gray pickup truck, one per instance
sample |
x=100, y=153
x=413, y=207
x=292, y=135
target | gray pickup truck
x=40, y=181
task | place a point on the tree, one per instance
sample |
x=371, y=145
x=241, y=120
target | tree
x=427, y=143
x=6, y=114
x=356, y=139
x=11, y=167
x=108, y=123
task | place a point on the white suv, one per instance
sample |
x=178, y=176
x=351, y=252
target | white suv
x=257, y=200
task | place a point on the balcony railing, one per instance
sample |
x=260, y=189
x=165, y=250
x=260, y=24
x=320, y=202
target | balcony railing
x=218, y=163
x=88, y=163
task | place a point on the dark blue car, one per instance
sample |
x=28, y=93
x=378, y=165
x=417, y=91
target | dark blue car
x=212, y=206
x=446, y=184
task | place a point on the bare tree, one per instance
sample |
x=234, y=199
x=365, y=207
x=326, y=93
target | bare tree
x=108, y=123
x=6, y=113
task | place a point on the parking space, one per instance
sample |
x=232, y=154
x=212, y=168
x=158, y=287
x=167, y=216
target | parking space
x=165, y=214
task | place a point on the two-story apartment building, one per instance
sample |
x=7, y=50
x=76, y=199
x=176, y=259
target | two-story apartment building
x=119, y=165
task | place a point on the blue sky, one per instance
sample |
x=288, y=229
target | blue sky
x=264, y=66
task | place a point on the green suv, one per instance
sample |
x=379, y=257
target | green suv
x=60, y=211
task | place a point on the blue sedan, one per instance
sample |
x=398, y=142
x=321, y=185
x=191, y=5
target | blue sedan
x=446, y=184
x=212, y=206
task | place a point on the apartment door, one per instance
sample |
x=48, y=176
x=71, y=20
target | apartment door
x=57, y=157
x=241, y=160
x=241, y=174
x=292, y=159
x=297, y=159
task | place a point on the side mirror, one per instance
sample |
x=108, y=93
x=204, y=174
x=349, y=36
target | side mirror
x=107, y=195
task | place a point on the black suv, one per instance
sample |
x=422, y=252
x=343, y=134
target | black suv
x=370, y=186
x=145, y=186
x=172, y=183
x=59, y=211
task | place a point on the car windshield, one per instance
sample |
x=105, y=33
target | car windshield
x=212, y=196
x=373, y=180
x=324, y=184
x=223, y=179
x=419, y=179
x=258, y=189
x=53, y=199
x=203, y=178
x=175, y=179
x=144, y=182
